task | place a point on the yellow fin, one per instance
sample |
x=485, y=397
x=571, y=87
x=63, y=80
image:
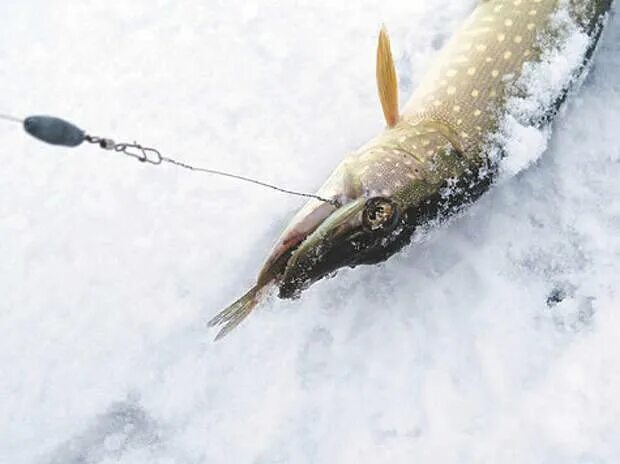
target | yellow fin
x=387, y=82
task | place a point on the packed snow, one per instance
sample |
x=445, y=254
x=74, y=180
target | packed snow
x=494, y=340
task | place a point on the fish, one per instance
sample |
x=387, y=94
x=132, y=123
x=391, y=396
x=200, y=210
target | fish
x=437, y=155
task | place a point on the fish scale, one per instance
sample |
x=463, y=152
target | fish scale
x=466, y=86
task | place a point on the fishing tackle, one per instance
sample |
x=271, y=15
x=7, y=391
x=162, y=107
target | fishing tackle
x=57, y=131
x=54, y=131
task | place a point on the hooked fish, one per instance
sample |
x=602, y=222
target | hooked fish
x=435, y=156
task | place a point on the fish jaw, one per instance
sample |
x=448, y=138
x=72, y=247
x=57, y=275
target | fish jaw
x=341, y=187
x=307, y=220
x=347, y=238
x=322, y=251
x=320, y=240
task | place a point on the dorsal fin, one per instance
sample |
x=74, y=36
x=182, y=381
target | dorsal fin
x=387, y=82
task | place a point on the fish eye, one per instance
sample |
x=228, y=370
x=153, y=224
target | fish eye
x=380, y=214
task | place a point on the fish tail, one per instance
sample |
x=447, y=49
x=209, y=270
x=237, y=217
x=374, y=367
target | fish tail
x=232, y=316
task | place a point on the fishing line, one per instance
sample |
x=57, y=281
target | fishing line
x=7, y=117
x=57, y=131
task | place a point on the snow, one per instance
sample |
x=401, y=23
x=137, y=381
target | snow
x=523, y=137
x=448, y=353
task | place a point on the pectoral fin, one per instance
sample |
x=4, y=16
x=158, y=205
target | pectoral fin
x=387, y=82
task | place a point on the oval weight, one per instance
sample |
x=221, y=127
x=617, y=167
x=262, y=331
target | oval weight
x=53, y=130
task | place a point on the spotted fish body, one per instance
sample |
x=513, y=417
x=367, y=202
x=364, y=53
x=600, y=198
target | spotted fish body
x=438, y=154
x=445, y=128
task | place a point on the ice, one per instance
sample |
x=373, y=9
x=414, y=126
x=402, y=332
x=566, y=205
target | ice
x=448, y=353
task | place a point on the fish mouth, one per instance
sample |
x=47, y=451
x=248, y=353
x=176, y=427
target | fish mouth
x=303, y=225
x=311, y=247
x=329, y=247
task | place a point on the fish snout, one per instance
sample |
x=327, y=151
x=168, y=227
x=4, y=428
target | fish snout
x=302, y=226
x=329, y=247
x=365, y=231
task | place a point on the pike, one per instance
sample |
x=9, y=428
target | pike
x=434, y=157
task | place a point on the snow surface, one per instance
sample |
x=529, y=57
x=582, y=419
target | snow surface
x=449, y=353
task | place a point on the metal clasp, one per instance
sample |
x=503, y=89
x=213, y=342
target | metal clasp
x=142, y=154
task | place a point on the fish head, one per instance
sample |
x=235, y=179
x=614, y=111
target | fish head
x=367, y=223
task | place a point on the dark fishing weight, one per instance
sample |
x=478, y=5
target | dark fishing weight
x=56, y=131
